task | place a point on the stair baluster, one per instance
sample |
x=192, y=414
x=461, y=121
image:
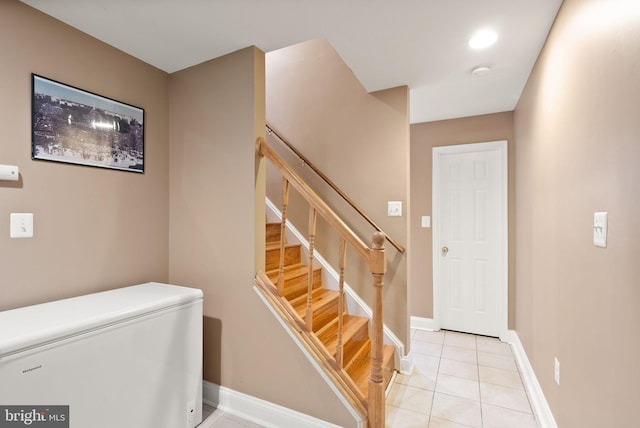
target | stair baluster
x=312, y=239
x=342, y=262
x=283, y=234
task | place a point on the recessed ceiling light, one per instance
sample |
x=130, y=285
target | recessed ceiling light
x=483, y=39
x=480, y=71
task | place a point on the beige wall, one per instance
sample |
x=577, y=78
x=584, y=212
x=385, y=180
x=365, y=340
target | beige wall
x=217, y=111
x=95, y=229
x=424, y=137
x=577, y=131
x=360, y=141
x=98, y=229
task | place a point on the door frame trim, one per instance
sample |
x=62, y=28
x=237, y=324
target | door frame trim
x=437, y=153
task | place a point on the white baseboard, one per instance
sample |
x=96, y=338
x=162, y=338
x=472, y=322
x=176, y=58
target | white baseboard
x=538, y=401
x=420, y=323
x=406, y=364
x=256, y=410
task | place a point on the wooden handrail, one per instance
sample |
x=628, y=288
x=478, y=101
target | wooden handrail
x=331, y=184
x=314, y=200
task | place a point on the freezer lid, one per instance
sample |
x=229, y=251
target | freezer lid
x=30, y=326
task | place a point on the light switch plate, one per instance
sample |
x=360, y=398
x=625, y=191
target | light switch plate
x=426, y=221
x=600, y=229
x=394, y=209
x=21, y=225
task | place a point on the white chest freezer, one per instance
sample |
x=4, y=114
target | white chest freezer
x=130, y=357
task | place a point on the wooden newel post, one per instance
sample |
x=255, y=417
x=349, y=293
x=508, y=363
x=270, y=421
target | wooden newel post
x=377, y=267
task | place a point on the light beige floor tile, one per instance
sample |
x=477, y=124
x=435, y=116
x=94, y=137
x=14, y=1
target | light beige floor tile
x=211, y=416
x=207, y=411
x=460, y=340
x=429, y=336
x=460, y=354
x=401, y=418
x=510, y=398
x=458, y=410
x=410, y=398
x=493, y=346
x=459, y=368
x=419, y=378
x=501, y=377
x=426, y=348
x=232, y=421
x=498, y=417
x=458, y=386
x=426, y=362
x=497, y=361
x=463, y=381
x=441, y=423
x=219, y=419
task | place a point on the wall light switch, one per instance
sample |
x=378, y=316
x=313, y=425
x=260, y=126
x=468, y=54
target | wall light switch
x=600, y=229
x=21, y=225
x=426, y=221
x=394, y=209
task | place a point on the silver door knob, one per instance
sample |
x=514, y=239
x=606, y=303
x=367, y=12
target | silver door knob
x=445, y=250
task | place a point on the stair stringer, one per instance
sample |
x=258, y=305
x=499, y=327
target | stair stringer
x=325, y=370
x=331, y=280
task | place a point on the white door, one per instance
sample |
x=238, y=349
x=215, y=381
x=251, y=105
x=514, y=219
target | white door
x=470, y=238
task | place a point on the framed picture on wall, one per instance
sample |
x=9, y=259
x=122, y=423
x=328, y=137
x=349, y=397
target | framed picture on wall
x=74, y=126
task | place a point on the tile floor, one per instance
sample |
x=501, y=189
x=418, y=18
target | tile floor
x=216, y=418
x=459, y=381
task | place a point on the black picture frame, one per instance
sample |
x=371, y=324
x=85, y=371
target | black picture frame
x=75, y=126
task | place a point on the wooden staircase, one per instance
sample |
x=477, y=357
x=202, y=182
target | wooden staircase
x=348, y=349
x=353, y=354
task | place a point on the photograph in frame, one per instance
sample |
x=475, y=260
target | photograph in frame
x=71, y=125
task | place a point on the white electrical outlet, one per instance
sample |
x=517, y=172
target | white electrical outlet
x=556, y=371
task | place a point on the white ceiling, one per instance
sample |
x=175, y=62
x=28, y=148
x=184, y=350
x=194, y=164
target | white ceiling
x=418, y=43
